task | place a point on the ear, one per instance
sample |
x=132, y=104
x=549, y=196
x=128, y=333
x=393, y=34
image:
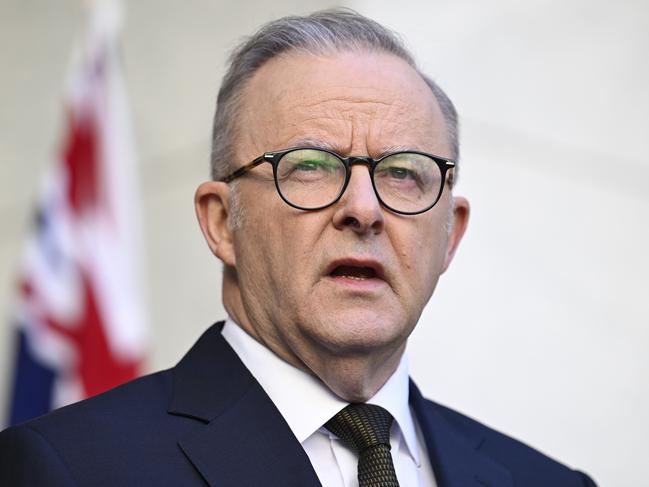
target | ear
x=212, y=203
x=459, y=222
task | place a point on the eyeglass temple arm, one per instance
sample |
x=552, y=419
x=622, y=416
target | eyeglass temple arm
x=450, y=171
x=244, y=169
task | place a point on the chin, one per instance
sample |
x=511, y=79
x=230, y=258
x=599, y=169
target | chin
x=359, y=333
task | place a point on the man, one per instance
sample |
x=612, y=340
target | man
x=332, y=211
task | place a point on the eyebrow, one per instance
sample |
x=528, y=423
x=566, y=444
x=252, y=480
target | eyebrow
x=314, y=144
x=321, y=144
x=391, y=149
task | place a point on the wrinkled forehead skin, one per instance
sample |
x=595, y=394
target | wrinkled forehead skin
x=346, y=100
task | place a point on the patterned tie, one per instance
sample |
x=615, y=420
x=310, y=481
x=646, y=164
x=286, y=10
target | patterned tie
x=366, y=429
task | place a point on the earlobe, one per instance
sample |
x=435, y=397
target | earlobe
x=211, y=202
x=459, y=222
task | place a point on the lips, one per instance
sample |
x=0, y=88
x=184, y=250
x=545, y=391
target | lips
x=352, y=272
x=356, y=269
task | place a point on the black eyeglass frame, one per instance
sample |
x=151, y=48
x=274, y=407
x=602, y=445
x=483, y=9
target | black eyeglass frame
x=273, y=158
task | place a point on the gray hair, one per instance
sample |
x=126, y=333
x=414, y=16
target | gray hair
x=322, y=32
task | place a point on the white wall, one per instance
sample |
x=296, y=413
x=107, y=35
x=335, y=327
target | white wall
x=541, y=325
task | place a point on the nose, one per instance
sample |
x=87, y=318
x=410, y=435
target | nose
x=359, y=209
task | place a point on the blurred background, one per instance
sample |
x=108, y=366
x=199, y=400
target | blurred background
x=541, y=326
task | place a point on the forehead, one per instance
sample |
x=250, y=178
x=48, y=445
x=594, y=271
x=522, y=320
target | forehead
x=352, y=102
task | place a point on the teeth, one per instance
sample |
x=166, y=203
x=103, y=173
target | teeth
x=354, y=273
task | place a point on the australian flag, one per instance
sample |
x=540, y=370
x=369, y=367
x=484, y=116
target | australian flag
x=79, y=317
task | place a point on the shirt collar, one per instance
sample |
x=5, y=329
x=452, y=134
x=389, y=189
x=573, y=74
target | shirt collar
x=394, y=396
x=304, y=401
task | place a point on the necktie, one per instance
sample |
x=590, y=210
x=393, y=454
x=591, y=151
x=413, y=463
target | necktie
x=366, y=429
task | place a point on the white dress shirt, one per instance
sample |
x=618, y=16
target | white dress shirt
x=307, y=404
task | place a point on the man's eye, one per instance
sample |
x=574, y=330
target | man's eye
x=399, y=173
x=315, y=165
x=309, y=165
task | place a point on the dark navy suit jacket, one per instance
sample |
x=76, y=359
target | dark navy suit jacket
x=208, y=421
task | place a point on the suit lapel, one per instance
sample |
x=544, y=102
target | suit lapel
x=244, y=441
x=240, y=438
x=455, y=457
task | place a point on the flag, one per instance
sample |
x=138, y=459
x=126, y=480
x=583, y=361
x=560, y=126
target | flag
x=79, y=316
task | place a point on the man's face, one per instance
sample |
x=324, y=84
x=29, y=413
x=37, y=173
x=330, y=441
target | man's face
x=351, y=280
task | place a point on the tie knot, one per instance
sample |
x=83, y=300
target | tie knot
x=362, y=426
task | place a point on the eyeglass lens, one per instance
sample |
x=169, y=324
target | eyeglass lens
x=406, y=182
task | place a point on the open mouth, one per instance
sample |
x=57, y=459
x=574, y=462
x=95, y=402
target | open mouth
x=356, y=273
x=359, y=273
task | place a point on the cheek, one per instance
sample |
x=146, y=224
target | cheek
x=421, y=257
x=296, y=248
x=277, y=246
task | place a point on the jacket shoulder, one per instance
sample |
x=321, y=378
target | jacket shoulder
x=82, y=443
x=528, y=466
x=27, y=458
x=141, y=397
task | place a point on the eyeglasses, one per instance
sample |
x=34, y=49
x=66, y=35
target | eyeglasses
x=407, y=183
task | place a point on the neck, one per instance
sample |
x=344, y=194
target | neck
x=357, y=378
